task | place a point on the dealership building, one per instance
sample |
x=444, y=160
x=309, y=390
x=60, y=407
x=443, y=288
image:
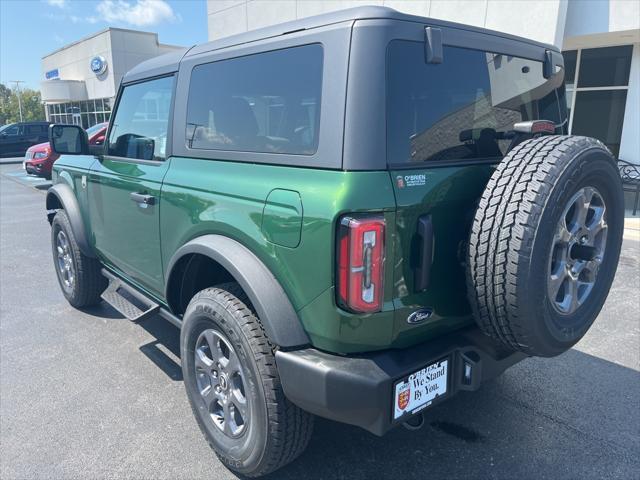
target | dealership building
x=80, y=80
x=600, y=40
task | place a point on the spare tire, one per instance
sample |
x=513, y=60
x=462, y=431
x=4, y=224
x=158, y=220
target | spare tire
x=545, y=243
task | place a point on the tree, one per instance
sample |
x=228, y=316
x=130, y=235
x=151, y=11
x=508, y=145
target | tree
x=5, y=98
x=32, y=108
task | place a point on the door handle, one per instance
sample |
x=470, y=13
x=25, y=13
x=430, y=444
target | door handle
x=143, y=198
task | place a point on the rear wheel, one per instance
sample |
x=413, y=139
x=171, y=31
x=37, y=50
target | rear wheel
x=233, y=385
x=545, y=243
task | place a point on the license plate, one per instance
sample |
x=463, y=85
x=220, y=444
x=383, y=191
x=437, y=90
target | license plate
x=418, y=390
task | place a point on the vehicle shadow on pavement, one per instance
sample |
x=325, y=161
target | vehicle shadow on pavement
x=542, y=419
x=573, y=416
x=164, y=351
x=103, y=311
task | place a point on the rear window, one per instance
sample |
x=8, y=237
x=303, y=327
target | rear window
x=267, y=102
x=465, y=107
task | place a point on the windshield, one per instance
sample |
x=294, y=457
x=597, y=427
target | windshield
x=4, y=127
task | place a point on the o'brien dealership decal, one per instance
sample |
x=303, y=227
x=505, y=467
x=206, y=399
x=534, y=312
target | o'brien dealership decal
x=416, y=180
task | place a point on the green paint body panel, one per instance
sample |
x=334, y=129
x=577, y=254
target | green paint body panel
x=74, y=168
x=287, y=217
x=125, y=233
x=227, y=198
x=449, y=195
x=282, y=218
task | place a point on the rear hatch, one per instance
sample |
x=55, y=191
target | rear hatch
x=448, y=125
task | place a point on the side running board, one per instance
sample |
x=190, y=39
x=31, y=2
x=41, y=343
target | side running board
x=125, y=299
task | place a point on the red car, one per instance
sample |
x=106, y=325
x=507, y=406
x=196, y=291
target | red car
x=39, y=158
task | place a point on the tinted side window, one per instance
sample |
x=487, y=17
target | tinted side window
x=13, y=130
x=463, y=108
x=141, y=121
x=35, y=129
x=267, y=102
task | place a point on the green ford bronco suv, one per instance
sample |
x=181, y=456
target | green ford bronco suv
x=354, y=215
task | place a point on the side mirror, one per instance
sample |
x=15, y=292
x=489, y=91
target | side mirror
x=131, y=145
x=98, y=140
x=68, y=140
x=98, y=150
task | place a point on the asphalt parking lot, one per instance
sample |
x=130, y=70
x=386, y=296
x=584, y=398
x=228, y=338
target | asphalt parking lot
x=92, y=395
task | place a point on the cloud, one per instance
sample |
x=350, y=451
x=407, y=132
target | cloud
x=76, y=19
x=57, y=3
x=142, y=13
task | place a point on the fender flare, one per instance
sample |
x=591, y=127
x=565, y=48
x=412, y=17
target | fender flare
x=62, y=196
x=278, y=317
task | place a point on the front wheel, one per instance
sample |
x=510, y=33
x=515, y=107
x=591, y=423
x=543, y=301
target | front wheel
x=78, y=275
x=233, y=385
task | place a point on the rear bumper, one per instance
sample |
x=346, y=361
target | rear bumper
x=358, y=389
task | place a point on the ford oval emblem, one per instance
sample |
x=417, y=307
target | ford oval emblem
x=420, y=316
x=98, y=65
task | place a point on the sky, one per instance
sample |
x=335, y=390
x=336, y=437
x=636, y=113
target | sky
x=30, y=29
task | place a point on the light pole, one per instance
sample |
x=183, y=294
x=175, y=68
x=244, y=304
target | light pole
x=18, y=82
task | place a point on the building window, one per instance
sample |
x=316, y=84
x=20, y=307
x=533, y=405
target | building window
x=597, y=81
x=86, y=113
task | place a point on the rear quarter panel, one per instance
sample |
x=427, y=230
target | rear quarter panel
x=203, y=196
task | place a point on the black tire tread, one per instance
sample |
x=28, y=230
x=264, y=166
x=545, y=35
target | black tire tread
x=90, y=283
x=504, y=228
x=290, y=427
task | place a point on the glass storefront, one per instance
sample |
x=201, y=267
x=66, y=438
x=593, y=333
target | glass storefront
x=597, y=82
x=86, y=113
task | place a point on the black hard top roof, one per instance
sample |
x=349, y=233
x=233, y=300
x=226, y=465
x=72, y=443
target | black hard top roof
x=170, y=62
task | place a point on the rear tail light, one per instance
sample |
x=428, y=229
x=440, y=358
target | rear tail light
x=360, y=263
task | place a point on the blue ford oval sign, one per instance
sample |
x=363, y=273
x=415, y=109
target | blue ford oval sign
x=98, y=65
x=420, y=316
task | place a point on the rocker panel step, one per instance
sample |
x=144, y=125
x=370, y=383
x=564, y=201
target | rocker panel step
x=116, y=295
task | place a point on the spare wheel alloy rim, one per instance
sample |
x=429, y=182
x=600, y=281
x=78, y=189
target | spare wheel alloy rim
x=221, y=383
x=577, y=250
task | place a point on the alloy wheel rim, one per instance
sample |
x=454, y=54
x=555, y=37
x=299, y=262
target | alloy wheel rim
x=221, y=383
x=577, y=251
x=65, y=260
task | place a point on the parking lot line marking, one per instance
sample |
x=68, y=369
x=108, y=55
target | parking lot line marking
x=23, y=178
